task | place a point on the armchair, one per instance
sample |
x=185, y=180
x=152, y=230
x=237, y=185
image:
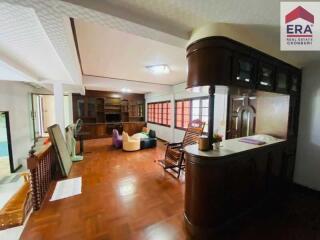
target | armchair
x=130, y=143
x=116, y=139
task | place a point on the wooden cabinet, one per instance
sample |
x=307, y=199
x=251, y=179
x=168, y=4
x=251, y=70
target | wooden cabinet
x=103, y=130
x=84, y=108
x=136, y=110
x=215, y=60
x=244, y=71
x=239, y=185
x=101, y=107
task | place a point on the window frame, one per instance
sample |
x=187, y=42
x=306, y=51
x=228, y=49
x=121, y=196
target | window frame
x=159, y=120
x=190, y=111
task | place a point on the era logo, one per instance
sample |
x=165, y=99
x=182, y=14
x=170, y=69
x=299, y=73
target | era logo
x=299, y=30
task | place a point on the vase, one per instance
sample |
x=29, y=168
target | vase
x=216, y=146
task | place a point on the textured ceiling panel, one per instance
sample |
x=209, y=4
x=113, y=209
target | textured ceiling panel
x=170, y=16
x=54, y=17
x=258, y=18
x=195, y=13
x=24, y=41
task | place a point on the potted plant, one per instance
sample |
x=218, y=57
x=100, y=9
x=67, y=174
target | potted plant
x=217, y=139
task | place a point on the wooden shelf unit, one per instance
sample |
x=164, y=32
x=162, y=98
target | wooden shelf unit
x=123, y=110
x=95, y=107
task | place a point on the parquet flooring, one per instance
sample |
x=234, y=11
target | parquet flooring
x=125, y=195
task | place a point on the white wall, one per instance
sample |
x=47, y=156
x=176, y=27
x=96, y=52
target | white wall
x=48, y=111
x=177, y=92
x=15, y=97
x=307, y=169
x=68, y=110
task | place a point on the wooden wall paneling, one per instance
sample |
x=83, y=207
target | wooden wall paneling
x=272, y=114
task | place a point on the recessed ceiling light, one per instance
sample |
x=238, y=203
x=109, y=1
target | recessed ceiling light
x=125, y=90
x=159, y=69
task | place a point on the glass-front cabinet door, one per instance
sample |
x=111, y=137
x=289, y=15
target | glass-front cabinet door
x=244, y=71
x=282, y=78
x=295, y=83
x=266, y=76
x=80, y=108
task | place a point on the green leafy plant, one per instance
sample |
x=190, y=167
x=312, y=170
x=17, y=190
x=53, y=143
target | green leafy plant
x=217, y=138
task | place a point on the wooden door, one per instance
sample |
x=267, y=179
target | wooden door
x=242, y=116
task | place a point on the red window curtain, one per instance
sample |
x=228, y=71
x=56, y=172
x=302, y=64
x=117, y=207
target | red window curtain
x=169, y=113
x=159, y=113
x=149, y=112
x=186, y=113
x=179, y=112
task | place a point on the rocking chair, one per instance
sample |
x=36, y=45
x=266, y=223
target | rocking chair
x=174, y=156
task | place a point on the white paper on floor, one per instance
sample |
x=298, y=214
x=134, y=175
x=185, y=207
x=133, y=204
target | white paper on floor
x=67, y=188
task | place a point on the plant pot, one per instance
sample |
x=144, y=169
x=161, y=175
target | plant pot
x=216, y=146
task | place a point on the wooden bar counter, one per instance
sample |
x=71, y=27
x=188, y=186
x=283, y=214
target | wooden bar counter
x=222, y=185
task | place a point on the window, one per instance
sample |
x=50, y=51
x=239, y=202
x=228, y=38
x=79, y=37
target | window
x=159, y=113
x=191, y=109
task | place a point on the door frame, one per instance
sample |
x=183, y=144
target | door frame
x=8, y=130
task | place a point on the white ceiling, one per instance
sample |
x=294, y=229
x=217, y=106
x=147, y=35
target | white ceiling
x=180, y=17
x=259, y=18
x=39, y=55
x=24, y=43
x=110, y=53
x=7, y=72
x=37, y=39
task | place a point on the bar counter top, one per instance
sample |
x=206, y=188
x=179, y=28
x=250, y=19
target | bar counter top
x=228, y=147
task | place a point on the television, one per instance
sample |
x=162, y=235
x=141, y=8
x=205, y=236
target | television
x=113, y=117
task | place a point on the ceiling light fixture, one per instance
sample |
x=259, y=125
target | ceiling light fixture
x=125, y=90
x=159, y=69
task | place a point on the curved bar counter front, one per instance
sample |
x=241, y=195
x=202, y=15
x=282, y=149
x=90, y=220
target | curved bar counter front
x=221, y=185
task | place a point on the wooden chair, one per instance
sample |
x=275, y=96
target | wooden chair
x=174, y=156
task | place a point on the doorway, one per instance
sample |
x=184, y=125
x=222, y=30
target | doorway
x=6, y=161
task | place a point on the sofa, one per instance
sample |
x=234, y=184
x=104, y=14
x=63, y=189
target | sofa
x=130, y=143
x=150, y=141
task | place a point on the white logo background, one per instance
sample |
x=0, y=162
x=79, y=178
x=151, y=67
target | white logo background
x=314, y=9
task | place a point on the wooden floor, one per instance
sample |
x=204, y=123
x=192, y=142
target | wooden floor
x=129, y=196
x=125, y=195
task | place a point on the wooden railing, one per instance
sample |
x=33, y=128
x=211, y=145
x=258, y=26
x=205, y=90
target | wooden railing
x=43, y=169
